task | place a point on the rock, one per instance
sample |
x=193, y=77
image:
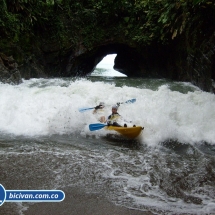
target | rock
x=9, y=72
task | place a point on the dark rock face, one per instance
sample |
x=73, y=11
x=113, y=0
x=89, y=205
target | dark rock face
x=154, y=61
x=31, y=68
x=173, y=61
x=129, y=61
x=9, y=72
x=201, y=65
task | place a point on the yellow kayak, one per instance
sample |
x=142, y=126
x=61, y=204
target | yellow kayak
x=129, y=132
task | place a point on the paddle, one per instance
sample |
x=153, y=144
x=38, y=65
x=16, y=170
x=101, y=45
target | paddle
x=96, y=126
x=85, y=109
x=127, y=102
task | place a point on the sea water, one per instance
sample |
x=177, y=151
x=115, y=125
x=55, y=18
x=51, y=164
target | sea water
x=45, y=142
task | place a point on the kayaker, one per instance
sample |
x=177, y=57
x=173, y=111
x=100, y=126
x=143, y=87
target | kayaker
x=100, y=112
x=114, y=117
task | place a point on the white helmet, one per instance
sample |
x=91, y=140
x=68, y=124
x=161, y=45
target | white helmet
x=115, y=107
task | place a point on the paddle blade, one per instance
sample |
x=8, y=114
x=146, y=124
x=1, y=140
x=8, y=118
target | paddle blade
x=130, y=101
x=84, y=109
x=96, y=126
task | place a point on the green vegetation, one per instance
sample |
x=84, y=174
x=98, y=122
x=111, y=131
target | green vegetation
x=87, y=22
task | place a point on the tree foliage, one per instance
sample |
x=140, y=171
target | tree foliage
x=88, y=21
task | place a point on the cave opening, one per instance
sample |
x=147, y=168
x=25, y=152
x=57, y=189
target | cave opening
x=106, y=67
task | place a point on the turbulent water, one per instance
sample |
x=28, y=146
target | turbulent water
x=169, y=169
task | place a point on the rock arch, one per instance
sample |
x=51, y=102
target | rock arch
x=128, y=61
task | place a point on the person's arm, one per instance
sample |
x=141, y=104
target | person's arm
x=98, y=107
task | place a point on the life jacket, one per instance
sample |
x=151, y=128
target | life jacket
x=113, y=117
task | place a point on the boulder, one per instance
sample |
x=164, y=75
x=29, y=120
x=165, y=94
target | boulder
x=9, y=72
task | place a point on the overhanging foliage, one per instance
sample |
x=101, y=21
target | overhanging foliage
x=89, y=21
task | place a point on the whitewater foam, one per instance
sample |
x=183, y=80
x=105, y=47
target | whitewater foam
x=46, y=107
